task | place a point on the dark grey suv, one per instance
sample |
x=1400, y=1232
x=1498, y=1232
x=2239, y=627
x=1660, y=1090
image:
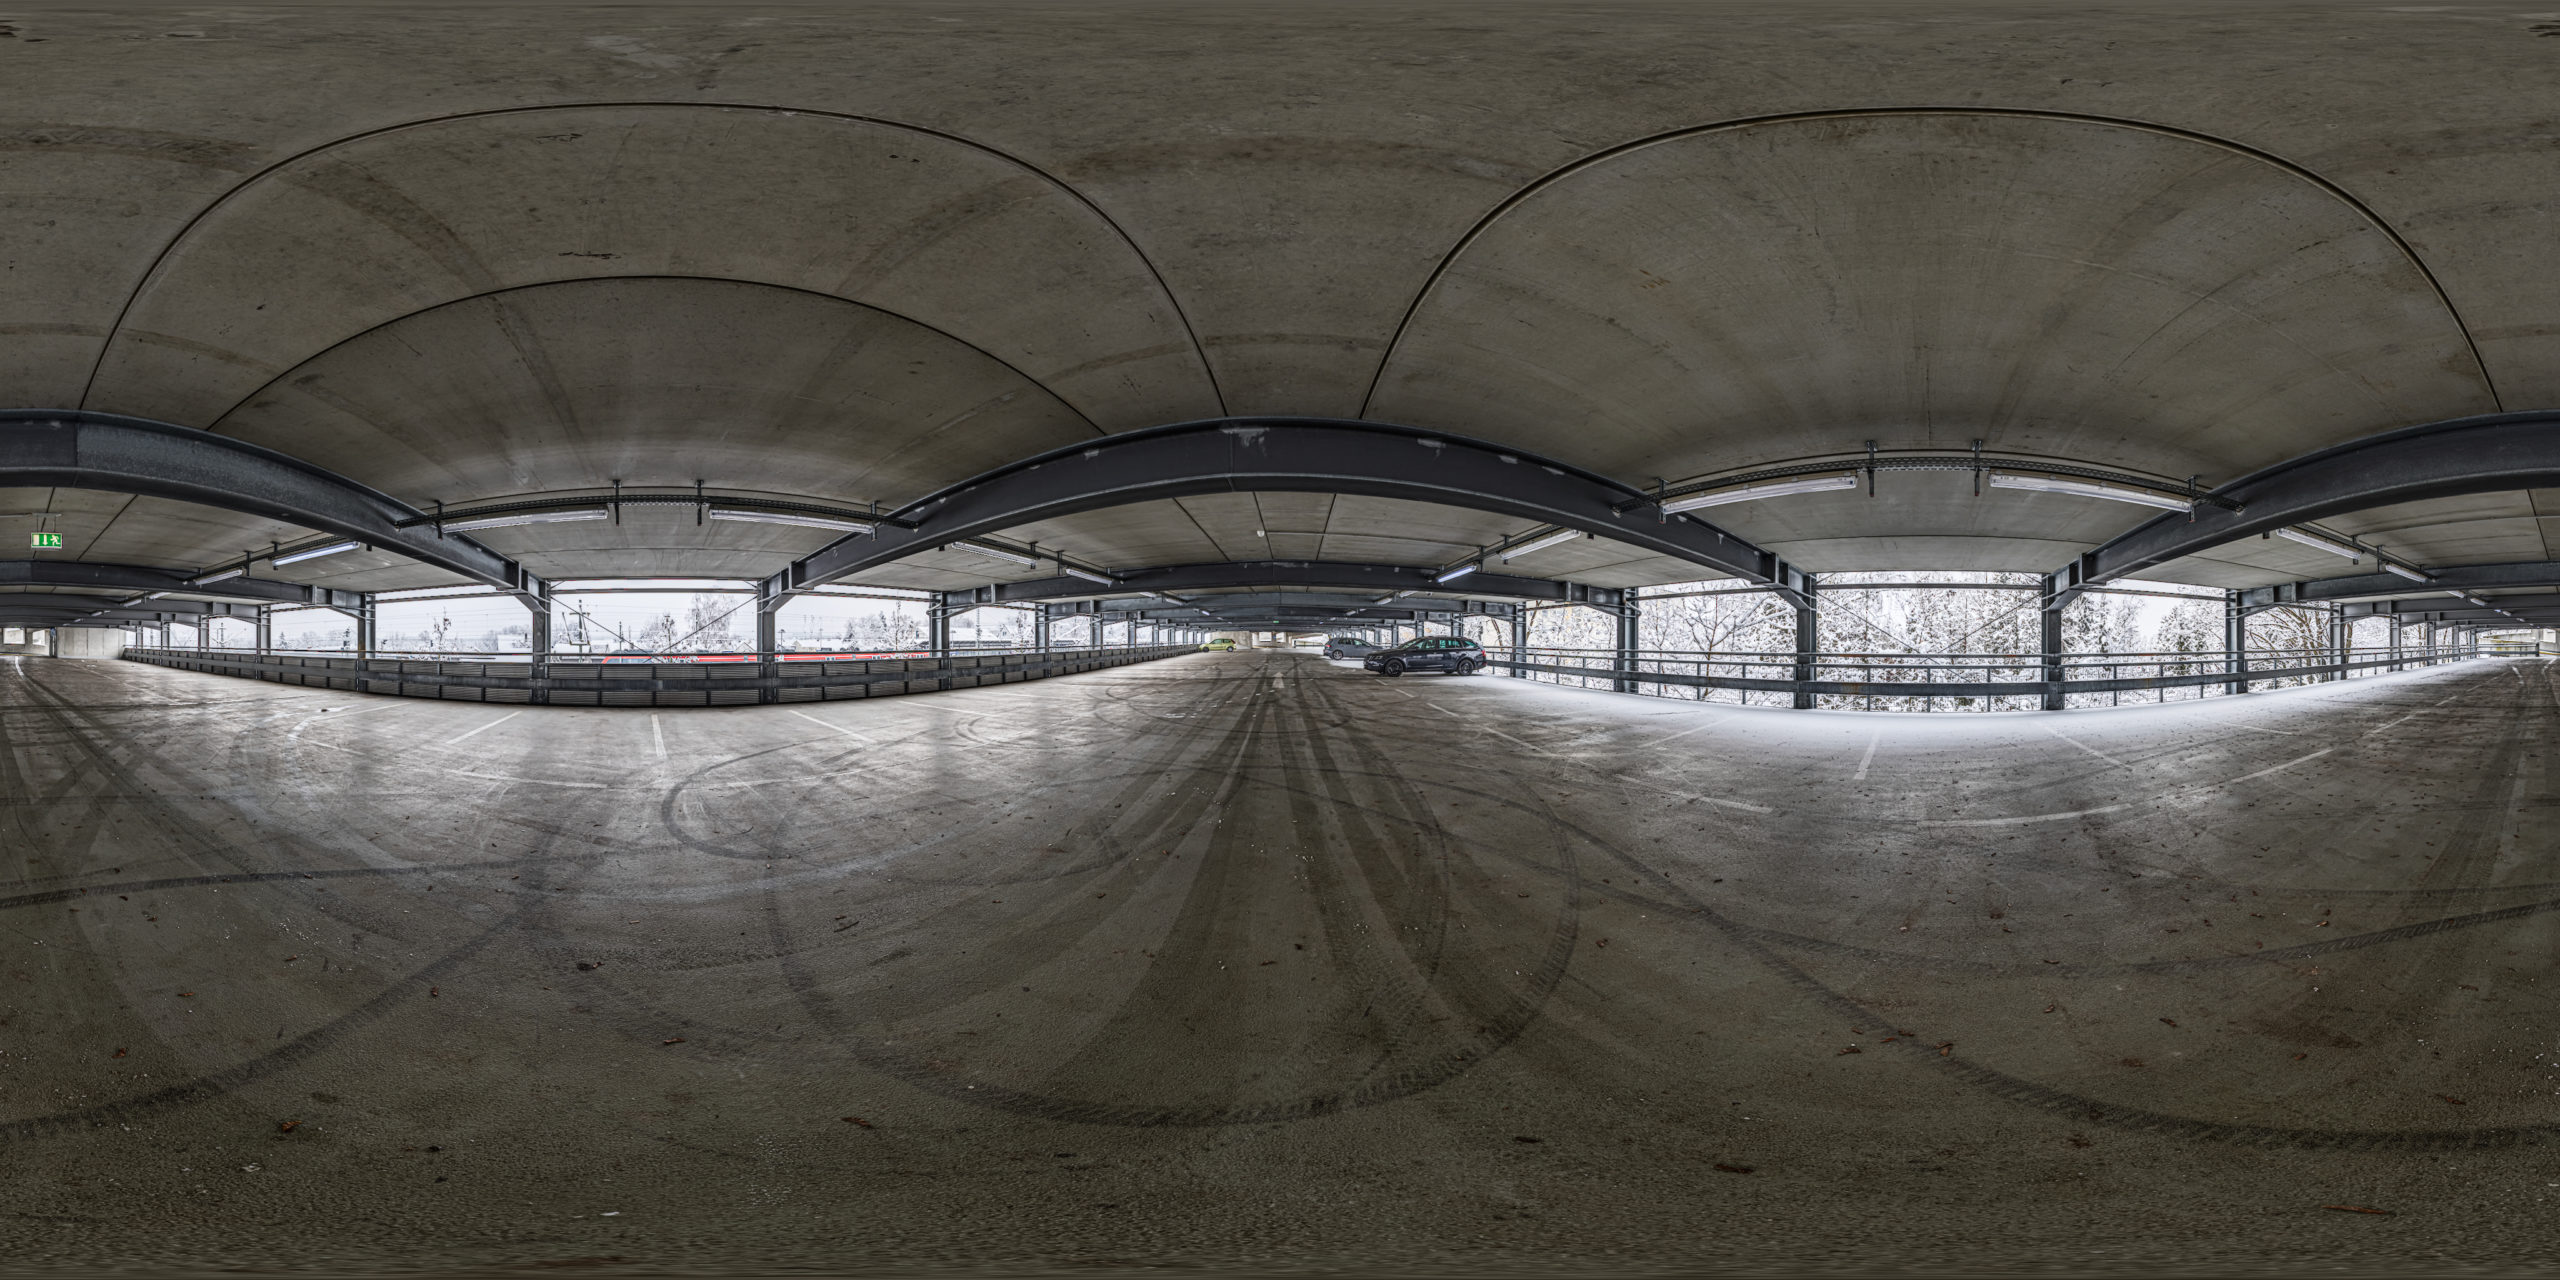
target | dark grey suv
x=1454, y=654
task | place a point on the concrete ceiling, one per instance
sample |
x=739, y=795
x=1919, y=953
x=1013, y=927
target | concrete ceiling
x=856, y=254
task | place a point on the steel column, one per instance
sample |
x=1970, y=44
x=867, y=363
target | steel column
x=2235, y=642
x=1808, y=641
x=1628, y=640
x=2049, y=649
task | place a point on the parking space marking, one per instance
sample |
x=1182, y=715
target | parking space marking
x=484, y=728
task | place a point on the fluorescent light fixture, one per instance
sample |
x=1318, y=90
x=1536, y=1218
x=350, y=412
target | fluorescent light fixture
x=1087, y=574
x=1541, y=544
x=1461, y=571
x=224, y=576
x=997, y=553
x=2089, y=489
x=797, y=521
x=2315, y=540
x=1389, y=599
x=1753, y=492
x=297, y=557
x=528, y=517
x=2405, y=572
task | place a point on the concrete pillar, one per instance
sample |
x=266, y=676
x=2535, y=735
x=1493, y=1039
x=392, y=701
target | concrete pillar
x=1040, y=629
x=1519, y=640
x=2049, y=649
x=266, y=631
x=1808, y=640
x=368, y=628
x=2341, y=637
x=938, y=626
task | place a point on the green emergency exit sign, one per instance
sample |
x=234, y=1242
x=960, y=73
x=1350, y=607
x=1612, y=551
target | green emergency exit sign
x=53, y=540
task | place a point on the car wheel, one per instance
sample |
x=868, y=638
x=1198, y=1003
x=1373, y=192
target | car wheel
x=1469, y=668
x=1392, y=667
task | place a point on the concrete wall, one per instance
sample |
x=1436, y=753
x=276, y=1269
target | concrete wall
x=89, y=642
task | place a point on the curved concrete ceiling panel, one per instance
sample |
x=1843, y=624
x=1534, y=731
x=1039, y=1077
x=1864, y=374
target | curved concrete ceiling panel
x=662, y=381
x=2055, y=286
x=354, y=235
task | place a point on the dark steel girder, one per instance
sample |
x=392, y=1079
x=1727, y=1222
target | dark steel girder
x=1317, y=600
x=127, y=577
x=80, y=450
x=1320, y=574
x=17, y=608
x=1303, y=455
x=2389, y=586
x=1273, y=619
x=2485, y=454
x=2540, y=611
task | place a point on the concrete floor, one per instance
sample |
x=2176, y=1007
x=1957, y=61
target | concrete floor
x=1250, y=960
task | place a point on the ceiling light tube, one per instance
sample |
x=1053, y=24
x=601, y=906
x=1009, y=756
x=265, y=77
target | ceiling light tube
x=1452, y=575
x=297, y=557
x=224, y=576
x=798, y=521
x=2406, y=572
x=2089, y=489
x=1541, y=544
x=997, y=553
x=1752, y=492
x=2324, y=544
x=1088, y=575
x=527, y=517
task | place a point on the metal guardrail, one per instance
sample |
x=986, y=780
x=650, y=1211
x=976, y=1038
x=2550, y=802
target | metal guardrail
x=1922, y=677
x=588, y=683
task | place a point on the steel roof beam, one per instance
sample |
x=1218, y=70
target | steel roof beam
x=55, y=448
x=2490, y=453
x=71, y=608
x=2524, y=614
x=1291, y=573
x=2391, y=586
x=1299, y=455
x=127, y=577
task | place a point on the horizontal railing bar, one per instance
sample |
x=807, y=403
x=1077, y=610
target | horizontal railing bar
x=1955, y=689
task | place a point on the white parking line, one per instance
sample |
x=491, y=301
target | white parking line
x=2278, y=768
x=659, y=734
x=837, y=727
x=2083, y=746
x=2022, y=820
x=1682, y=734
x=484, y=728
x=531, y=782
x=1869, y=758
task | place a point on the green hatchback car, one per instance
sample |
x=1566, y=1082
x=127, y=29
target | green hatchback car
x=1221, y=644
